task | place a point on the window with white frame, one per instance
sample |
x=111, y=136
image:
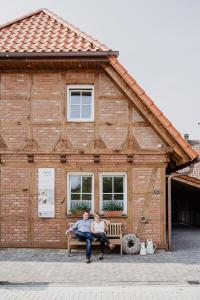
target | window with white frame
x=80, y=103
x=80, y=187
x=113, y=191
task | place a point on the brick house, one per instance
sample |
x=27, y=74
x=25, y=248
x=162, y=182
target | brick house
x=76, y=129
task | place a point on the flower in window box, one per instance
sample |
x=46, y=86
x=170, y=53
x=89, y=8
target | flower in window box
x=112, y=209
x=78, y=209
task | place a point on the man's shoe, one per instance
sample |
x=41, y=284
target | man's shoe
x=100, y=257
x=87, y=260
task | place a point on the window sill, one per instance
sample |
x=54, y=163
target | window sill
x=72, y=216
x=68, y=215
x=80, y=121
x=114, y=216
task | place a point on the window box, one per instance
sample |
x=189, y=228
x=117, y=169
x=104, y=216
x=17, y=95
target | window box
x=112, y=213
x=77, y=214
x=79, y=208
x=112, y=209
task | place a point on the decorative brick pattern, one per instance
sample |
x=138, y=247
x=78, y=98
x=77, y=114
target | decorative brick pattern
x=108, y=88
x=14, y=136
x=147, y=138
x=113, y=110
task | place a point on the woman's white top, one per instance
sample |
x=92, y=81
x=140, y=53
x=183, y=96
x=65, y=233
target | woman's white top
x=99, y=227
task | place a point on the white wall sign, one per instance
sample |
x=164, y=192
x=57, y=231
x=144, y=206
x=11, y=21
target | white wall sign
x=46, y=192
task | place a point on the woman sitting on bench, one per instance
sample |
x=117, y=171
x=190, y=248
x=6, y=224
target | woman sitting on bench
x=98, y=229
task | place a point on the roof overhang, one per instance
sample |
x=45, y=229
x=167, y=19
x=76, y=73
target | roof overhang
x=22, y=62
x=188, y=164
x=44, y=55
x=188, y=180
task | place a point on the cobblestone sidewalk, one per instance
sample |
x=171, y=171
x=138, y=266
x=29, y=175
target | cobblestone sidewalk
x=98, y=293
x=47, y=272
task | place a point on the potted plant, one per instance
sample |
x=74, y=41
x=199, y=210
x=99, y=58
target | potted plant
x=78, y=209
x=112, y=209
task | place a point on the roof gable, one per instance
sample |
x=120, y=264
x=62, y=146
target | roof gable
x=154, y=110
x=43, y=31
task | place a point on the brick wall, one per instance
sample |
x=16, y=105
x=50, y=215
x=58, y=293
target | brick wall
x=34, y=107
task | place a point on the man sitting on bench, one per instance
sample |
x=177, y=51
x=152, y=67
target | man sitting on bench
x=82, y=230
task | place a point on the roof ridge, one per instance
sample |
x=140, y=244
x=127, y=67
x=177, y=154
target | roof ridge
x=84, y=35
x=18, y=19
x=77, y=30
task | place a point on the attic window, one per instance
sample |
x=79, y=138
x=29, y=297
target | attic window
x=80, y=103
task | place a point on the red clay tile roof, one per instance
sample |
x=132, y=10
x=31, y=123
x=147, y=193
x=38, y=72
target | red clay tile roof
x=196, y=170
x=43, y=31
x=153, y=108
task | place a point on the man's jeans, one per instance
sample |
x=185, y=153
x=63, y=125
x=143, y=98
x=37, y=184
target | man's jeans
x=87, y=237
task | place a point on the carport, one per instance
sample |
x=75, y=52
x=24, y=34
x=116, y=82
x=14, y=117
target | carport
x=186, y=201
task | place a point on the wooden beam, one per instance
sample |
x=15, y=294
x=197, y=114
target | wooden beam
x=101, y=150
x=84, y=165
x=31, y=206
x=130, y=203
x=188, y=181
x=63, y=205
x=163, y=213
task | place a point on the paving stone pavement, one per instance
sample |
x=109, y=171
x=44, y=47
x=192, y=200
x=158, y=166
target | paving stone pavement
x=99, y=293
x=51, y=270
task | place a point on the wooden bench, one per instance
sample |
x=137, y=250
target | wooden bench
x=114, y=233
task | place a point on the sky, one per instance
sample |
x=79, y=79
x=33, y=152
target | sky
x=158, y=42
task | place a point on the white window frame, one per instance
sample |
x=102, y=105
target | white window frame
x=79, y=87
x=101, y=188
x=68, y=188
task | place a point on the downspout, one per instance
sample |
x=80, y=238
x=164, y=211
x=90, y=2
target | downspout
x=169, y=190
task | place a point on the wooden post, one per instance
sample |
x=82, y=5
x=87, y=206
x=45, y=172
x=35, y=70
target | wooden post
x=162, y=205
x=31, y=206
x=130, y=198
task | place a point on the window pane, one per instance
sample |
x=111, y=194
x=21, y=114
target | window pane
x=118, y=185
x=107, y=196
x=75, y=97
x=107, y=184
x=75, y=183
x=87, y=97
x=86, y=111
x=87, y=184
x=118, y=196
x=75, y=111
x=75, y=197
x=87, y=197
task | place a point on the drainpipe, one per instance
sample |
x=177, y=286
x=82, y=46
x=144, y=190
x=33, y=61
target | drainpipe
x=169, y=189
